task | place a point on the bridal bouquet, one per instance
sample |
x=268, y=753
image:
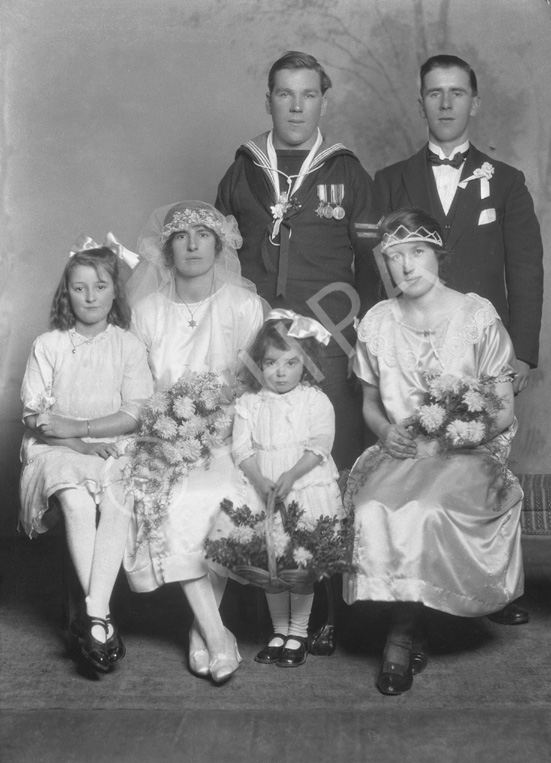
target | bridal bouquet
x=457, y=411
x=179, y=428
x=313, y=549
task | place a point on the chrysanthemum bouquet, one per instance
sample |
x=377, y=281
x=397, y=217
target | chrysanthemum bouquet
x=457, y=411
x=179, y=428
x=318, y=548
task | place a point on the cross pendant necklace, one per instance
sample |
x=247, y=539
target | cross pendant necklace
x=192, y=323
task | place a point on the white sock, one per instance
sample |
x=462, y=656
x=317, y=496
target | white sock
x=279, y=605
x=301, y=606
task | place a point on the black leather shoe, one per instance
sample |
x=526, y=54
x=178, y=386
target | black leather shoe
x=271, y=654
x=510, y=615
x=292, y=658
x=394, y=679
x=419, y=656
x=116, y=649
x=323, y=641
x=94, y=651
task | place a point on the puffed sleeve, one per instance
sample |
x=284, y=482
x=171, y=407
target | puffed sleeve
x=495, y=352
x=242, y=439
x=140, y=326
x=36, y=390
x=137, y=382
x=252, y=317
x=321, y=424
x=366, y=359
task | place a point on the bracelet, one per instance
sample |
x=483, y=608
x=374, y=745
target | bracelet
x=87, y=428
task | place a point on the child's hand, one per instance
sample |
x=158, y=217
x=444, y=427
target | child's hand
x=284, y=484
x=264, y=486
x=52, y=425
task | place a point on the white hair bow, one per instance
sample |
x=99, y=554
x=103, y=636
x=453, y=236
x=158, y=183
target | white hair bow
x=301, y=327
x=84, y=242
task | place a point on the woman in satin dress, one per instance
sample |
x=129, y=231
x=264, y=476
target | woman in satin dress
x=438, y=531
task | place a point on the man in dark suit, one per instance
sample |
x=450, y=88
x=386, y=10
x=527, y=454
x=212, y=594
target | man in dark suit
x=486, y=213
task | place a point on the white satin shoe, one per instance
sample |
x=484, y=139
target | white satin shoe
x=224, y=664
x=199, y=658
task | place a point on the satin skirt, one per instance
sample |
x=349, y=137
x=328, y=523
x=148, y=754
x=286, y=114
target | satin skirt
x=435, y=530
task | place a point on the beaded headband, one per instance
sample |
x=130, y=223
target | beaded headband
x=403, y=235
x=189, y=218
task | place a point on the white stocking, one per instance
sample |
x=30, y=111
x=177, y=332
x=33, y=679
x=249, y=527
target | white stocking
x=218, y=583
x=301, y=606
x=203, y=603
x=79, y=511
x=279, y=606
x=111, y=537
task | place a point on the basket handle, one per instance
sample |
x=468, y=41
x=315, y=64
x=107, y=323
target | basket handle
x=270, y=549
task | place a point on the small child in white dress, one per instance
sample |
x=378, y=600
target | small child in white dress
x=83, y=387
x=282, y=438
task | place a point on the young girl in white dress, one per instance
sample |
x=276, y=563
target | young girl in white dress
x=83, y=385
x=282, y=438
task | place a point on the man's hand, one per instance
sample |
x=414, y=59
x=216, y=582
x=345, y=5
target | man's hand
x=521, y=381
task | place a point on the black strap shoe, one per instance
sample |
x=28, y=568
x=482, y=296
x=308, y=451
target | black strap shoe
x=116, y=649
x=293, y=658
x=271, y=654
x=94, y=651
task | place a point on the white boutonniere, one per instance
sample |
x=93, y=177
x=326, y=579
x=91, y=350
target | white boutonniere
x=278, y=210
x=483, y=174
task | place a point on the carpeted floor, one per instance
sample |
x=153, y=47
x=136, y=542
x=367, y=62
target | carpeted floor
x=485, y=697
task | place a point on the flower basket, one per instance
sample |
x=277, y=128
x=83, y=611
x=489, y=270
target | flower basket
x=273, y=580
x=288, y=555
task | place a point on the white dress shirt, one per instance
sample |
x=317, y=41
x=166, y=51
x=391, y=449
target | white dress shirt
x=447, y=177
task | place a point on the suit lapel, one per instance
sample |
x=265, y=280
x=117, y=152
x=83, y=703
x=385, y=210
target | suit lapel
x=416, y=179
x=467, y=201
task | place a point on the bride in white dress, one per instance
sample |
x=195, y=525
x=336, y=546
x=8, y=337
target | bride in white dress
x=193, y=311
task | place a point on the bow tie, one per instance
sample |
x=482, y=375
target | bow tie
x=456, y=162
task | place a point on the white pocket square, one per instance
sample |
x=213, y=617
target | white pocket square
x=487, y=216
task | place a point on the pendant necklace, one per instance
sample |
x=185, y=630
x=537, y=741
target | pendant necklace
x=75, y=346
x=192, y=323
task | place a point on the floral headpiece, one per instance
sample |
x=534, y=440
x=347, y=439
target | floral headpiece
x=402, y=235
x=181, y=220
x=301, y=327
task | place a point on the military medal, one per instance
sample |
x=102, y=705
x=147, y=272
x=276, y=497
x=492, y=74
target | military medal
x=323, y=205
x=337, y=195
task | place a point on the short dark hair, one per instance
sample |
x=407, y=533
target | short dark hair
x=168, y=251
x=274, y=332
x=61, y=313
x=447, y=62
x=294, y=59
x=413, y=218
